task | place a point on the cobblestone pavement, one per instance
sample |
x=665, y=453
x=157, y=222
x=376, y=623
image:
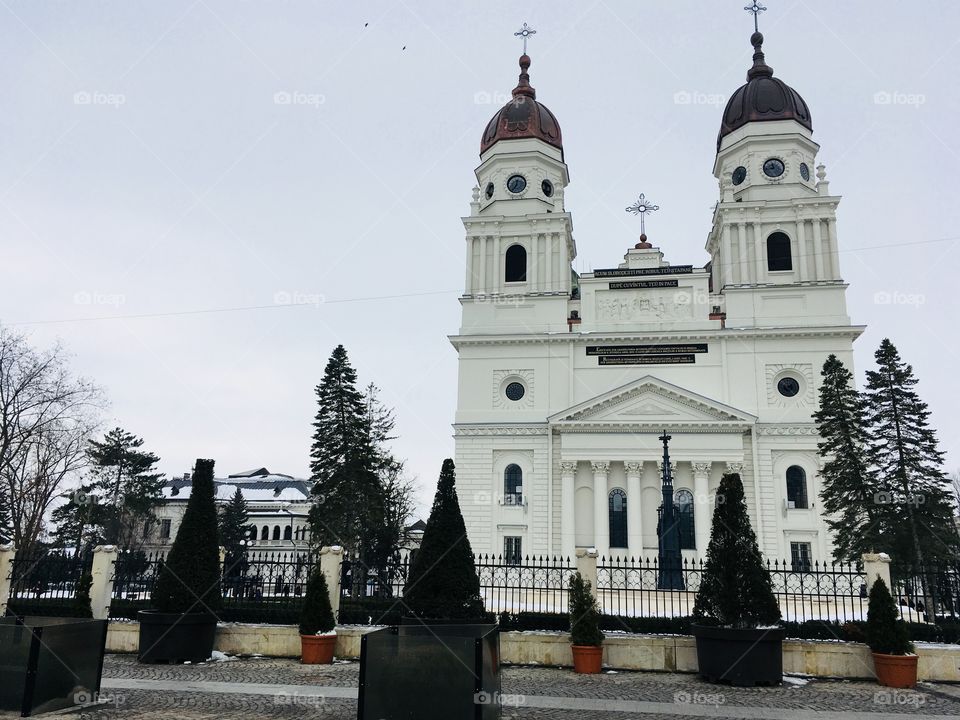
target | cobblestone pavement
x=271, y=688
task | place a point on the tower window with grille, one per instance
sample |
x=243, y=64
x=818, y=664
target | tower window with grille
x=684, y=503
x=515, y=264
x=618, y=518
x=778, y=252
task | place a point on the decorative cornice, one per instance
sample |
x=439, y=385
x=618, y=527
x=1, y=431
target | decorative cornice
x=499, y=429
x=652, y=427
x=806, y=430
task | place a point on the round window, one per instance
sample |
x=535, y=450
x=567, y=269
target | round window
x=788, y=387
x=547, y=188
x=804, y=171
x=517, y=183
x=739, y=175
x=515, y=391
x=773, y=168
x=489, y=191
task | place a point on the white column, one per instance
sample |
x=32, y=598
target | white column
x=702, y=507
x=533, y=282
x=601, y=519
x=482, y=278
x=7, y=554
x=587, y=567
x=468, y=282
x=725, y=256
x=568, y=532
x=634, y=523
x=818, y=249
x=101, y=589
x=877, y=565
x=802, y=252
x=758, y=251
x=330, y=559
x=548, y=280
x=497, y=265
x=834, y=248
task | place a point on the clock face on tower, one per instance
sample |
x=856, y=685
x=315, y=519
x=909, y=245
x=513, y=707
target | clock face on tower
x=773, y=168
x=516, y=183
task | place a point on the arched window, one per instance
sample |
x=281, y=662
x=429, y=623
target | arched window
x=276, y=532
x=796, y=487
x=288, y=533
x=684, y=503
x=778, y=252
x=515, y=264
x=265, y=533
x=512, y=485
x=618, y=518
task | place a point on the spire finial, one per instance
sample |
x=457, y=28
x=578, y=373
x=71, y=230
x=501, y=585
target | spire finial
x=756, y=8
x=642, y=207
x=525, y=32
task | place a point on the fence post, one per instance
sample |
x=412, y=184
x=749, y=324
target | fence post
x=877, y=565
x=330, y=558
x=7, y=554
x=587, y=567
x=101, y=590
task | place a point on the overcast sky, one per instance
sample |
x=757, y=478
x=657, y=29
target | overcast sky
x=163, y=159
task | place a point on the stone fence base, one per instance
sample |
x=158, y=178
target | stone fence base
x=663, y=653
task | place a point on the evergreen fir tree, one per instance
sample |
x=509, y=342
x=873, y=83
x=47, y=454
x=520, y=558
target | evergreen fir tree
x=584, y=613
x=234, y=530
x=189, y=580
x=886, y=632
x=81, y=597
x=735, y=588
x=316, y=616
x=849, y=486
x=903, y=450
x=443, y=582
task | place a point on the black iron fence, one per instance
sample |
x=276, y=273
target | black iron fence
x=928, y=594
x=531, y=584
x=44, y=582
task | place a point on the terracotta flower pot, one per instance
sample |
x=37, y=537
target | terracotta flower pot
x=317, y=649
x=896, y=671
x=587, y=659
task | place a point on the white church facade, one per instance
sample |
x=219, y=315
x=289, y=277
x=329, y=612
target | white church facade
x=567, y=380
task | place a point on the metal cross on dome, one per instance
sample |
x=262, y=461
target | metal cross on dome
x=641, y=207
x=756, y=8
x=525, y=32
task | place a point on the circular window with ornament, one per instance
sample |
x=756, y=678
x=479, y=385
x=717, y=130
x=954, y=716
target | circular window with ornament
x=547, y=188
x=516, y=184
x=805, y=172
x=515, y=391
x=489, y=191
x=773, y=168
x=739, y=175
x=788, y=386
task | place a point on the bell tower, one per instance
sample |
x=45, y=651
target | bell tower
x=775, y=223
x=519, y=237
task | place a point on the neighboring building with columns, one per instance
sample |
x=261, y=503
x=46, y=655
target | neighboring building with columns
x=566, y=380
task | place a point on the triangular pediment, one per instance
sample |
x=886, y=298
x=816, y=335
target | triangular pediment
x=650, y=400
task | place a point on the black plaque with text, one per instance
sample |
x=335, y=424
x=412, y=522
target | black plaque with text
x=632, y=272
x=611, y=350
x=649, y=360
x=643, y=284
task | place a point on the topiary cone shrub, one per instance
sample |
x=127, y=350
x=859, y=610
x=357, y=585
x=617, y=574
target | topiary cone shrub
x=316, y=616
x=443, y=582
x=189, y=581
x=585, y=634
x=889, y=640
x=735, y=587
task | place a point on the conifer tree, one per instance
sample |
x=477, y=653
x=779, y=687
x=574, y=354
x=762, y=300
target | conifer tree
x=886, y=632
x=189, y=580
x=904, y=452
x=849, y=486
x=5, y=528
x=443, y=582
x=234, y=529
x=735, y=587
x=316, y=616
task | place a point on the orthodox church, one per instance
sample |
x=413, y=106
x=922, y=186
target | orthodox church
x=567, y=380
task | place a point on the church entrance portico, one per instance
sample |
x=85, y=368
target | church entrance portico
x=609, y=462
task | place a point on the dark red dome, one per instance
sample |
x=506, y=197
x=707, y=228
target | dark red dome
x=522, y=117
x=764, y=97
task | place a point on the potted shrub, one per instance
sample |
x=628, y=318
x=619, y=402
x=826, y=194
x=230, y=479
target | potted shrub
x=585, y=634
x=318, y=639
x=182, y=621
x=736, y=616
x=887, y=636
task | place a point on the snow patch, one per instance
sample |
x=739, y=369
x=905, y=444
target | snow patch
x=217, y=656
x=795, y=681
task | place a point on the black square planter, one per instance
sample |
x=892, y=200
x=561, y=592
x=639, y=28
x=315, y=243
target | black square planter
x=430, y=672
x=175, y=637
x=50, y=663
x=743, y=657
